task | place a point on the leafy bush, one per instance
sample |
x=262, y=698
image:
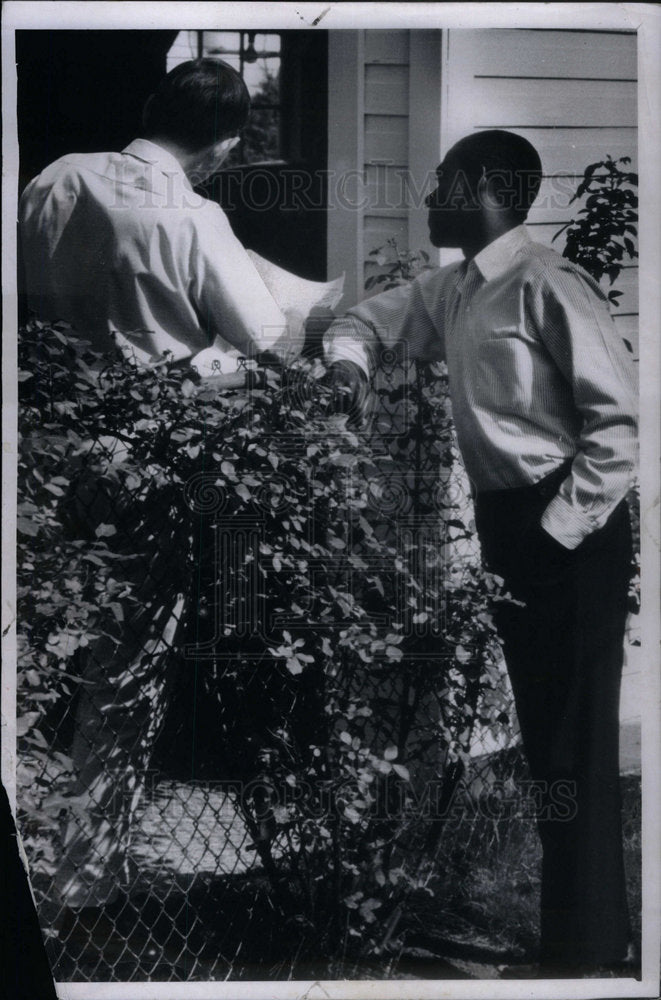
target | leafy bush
x=359, y=679
x=401, y=265
x=606, y=228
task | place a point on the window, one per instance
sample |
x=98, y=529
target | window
x=273, y=187
x=258, y=58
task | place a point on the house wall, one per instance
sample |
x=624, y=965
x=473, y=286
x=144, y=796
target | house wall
x=399, y=99
x=384, y=142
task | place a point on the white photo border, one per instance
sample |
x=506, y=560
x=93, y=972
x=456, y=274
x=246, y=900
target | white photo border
x=646, y=20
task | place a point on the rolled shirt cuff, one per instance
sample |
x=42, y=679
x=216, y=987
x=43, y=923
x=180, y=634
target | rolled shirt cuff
x=345, y=350
x=349, y=339
x=568, y=524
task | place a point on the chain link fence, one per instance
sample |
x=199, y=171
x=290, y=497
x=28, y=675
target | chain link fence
x=157, y=846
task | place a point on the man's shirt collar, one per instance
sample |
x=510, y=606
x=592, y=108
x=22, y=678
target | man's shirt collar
x=497, y=257
x=151, y=152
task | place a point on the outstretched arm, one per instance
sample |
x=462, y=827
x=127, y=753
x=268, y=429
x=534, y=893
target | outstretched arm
x=411, y=315
x=230, y=296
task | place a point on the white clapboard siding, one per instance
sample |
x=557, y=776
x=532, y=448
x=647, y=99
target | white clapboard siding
x=386, y=89
x=571, y=93
x=513, y=103
x=569, y=151
x=553, y=54
x=386, y=139
x=402, y=86
x=369, y=104
x=386, y=144
x=387, y=47
x=379, y=229
x=388, y=189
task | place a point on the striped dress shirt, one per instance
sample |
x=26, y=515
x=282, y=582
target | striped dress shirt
x=537, y=371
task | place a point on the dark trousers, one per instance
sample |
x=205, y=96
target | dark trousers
x=563, y=650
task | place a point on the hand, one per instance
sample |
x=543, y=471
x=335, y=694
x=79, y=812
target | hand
x=349, y=390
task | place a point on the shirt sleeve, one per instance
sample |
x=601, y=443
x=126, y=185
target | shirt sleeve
x=571, y=316
x=229, y=295
x=409, y=315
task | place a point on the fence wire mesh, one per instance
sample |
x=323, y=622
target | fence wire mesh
x=167, y=846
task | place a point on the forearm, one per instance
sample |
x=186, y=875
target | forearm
x=230, y=296
x=400, y=316
x=351, y=339
x=600, y=477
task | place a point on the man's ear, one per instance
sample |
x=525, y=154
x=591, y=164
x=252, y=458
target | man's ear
x=489, y=192
x=227, y=145
x=222, y=149
x=145, y=110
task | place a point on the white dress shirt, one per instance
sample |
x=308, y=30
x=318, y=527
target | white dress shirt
x=120, y=243
x=538, y=374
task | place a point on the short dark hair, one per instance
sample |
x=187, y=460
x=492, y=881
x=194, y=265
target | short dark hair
x=505, y=155
x=198, y=103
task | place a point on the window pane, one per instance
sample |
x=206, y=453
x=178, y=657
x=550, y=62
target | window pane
x=267, y=43
x=183, y=49
x=263, y=80
x=219, y=43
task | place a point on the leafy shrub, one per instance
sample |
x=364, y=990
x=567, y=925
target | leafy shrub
x=342, y=696
x=401, y=265
x=606, y=227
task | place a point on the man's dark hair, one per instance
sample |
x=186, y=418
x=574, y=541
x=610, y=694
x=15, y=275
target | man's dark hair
x=198, y=103
x=507, y=157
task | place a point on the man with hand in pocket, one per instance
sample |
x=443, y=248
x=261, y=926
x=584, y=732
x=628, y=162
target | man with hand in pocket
x=544, y=406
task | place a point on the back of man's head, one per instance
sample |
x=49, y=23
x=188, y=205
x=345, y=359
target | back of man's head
x=197, y=104
x=507, y=158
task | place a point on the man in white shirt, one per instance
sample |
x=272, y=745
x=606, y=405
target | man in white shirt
x=544, y=407
x=120, y=246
